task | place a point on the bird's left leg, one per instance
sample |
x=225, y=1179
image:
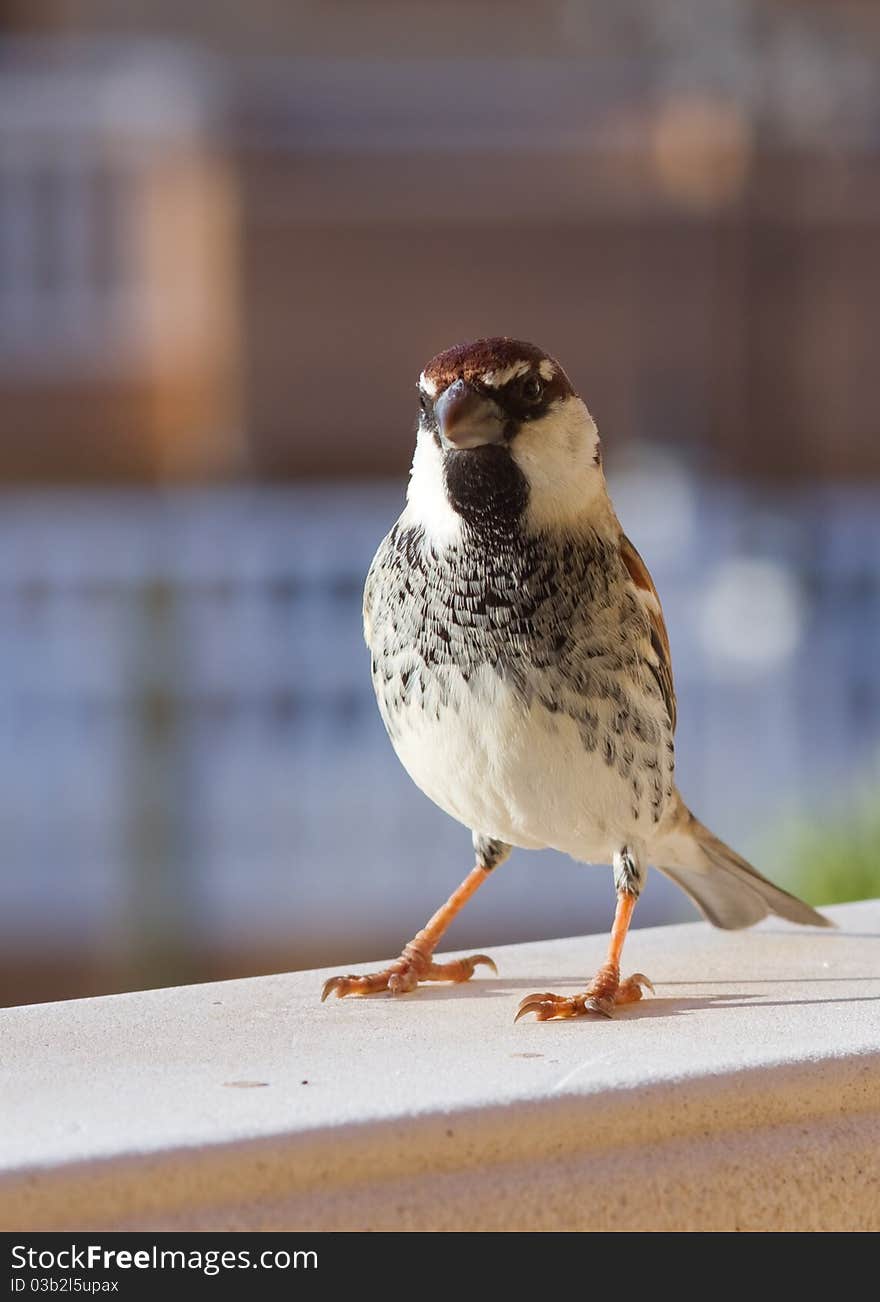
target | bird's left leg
x=606, y=990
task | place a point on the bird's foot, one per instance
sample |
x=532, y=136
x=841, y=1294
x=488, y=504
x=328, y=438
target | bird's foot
x=605, y=993
x=405, y=973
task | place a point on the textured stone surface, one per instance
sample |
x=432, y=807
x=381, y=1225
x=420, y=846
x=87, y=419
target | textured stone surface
x=746, y=1095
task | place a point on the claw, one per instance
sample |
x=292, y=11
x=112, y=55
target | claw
x=333, y=984
x=534, y=1004
x=641, y=980
x=486, y=960
x=604, y=1007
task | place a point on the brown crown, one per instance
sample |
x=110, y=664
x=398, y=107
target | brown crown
x=473, y=360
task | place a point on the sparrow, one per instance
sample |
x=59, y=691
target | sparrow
x=522, y=668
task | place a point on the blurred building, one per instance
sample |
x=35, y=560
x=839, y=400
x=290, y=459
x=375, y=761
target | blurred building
x=119, y=255
x=681, y=201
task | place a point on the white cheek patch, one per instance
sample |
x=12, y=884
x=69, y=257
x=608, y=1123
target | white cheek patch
x=557, y=455
x=426, y=502
x=427, y=386
x=546, y=369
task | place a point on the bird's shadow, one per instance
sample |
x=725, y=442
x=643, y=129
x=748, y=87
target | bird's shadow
x=657, y=1005
x=823, y=934
x=662, y=1004
x=671, y=1006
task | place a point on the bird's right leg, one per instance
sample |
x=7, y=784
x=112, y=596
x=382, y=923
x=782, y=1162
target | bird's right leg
x=416, y=962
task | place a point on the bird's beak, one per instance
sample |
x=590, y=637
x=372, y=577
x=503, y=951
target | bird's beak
x=467, y=418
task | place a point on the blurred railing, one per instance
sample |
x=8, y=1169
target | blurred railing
x=192, y=757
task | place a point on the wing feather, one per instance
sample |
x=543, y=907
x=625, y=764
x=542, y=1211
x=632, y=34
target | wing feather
x=659, y=661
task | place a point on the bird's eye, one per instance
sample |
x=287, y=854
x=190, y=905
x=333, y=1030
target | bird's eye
x=532, y=389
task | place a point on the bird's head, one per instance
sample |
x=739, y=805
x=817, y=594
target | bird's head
x=503, y=439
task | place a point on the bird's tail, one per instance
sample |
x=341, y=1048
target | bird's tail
x=724, y=887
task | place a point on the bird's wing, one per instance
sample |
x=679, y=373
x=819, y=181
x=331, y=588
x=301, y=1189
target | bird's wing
x=660, y=659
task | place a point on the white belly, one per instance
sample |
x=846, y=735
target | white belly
x=519, y=774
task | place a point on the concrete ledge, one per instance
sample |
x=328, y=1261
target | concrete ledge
x=746, y=1096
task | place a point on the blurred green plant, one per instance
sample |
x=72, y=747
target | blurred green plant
x=836, y=858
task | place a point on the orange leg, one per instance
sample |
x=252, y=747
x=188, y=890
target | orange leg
x=606, y=990
x=416, y=962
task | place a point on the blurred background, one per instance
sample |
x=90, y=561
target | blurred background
x=230, y=236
